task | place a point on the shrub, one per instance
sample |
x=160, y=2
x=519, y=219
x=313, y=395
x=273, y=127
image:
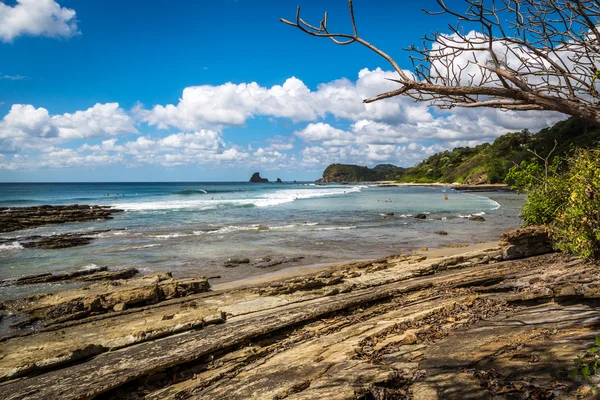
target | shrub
x=568, y=201
x=576, y=229
x=546, y=190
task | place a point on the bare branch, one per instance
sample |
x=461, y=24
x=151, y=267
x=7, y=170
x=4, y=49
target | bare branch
x=507, y=54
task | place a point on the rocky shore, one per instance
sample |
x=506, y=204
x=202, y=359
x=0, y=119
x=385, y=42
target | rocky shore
x=18, y=218
x=478, y=324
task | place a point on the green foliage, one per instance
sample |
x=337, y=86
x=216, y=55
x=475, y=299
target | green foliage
x=587, y=364
x=490, y=163
x=546, y=189
x=576, y=228
x=565, y=196
x=355, y=173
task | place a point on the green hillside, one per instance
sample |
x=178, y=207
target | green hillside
x=486, y=163
x=355, y=173
x=489, y=163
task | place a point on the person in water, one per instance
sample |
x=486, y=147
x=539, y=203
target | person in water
x=445, y=197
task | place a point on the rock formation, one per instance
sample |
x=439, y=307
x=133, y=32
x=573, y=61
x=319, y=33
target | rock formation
x=469, y=325
x=279, y=180
x=257, y=179
x=59, y=241
x=17, y=218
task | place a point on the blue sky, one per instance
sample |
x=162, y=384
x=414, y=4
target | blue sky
x=106, y=90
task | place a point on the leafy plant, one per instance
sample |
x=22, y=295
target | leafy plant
x=576, y=229
x=587, y=364
x=567, y=201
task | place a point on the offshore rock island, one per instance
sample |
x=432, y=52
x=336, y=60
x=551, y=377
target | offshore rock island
x=255, y=178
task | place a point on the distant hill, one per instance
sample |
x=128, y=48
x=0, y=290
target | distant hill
x=489, y=163
x=486, y=163
x=355, y=173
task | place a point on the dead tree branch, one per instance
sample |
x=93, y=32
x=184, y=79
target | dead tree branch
x=506, y=54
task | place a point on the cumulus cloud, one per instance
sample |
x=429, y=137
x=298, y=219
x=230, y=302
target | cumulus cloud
x=332, y=125
x=36, y=18
x=28, y=127
x=233, y=104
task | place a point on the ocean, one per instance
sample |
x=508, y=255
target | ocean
x=193, y=229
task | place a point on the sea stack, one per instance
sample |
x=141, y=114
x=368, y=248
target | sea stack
x=256, y=178
x=279, y=180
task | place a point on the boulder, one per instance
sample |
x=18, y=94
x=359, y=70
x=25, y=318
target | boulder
x=257, y=179
x=420, y=216
x=477, y=218
x=525, y=242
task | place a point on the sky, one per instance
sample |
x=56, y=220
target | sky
x=214, y=90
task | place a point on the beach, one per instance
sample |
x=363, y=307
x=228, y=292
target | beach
x=405, y=326
x=422, y=314
x=204, y=229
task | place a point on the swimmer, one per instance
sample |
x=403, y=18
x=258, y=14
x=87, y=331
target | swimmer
x=445, y=197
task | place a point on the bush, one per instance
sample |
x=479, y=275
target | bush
x=576, y=229
x=546, y=190
x=568, y=201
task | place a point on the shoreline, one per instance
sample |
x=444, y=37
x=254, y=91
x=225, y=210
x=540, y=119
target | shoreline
x=301, y=270
x=442, y=321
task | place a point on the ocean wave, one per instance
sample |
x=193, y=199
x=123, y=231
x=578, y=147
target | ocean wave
x=271, y=199
x=10, y=247
x=191, y=192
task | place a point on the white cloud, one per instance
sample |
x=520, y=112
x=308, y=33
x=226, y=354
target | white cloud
x=325, y=134
x=28, y=127
x=339, y=127
x=36, y=18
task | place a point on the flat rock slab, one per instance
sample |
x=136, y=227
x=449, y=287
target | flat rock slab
x=17, y=218
x=398, y=327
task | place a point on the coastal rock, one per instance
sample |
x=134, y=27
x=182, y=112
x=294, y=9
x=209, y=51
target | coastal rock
x=60, y=241
x=477, y=218
x=104, y=297
x=525, y=242
x=17, y=218
x=389, y=333
x=234, y=262
x=443, y=233
x=268, y=262
x=420, y=216
x=257, y=179
x=279, y=180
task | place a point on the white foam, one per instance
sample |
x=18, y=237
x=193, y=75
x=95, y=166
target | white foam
x=89, y=267
x=11, y=247
x=269, y=199
x=335, y=228
x=146, y=246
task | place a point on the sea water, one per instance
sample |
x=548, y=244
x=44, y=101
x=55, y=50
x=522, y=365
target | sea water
x=192, y=229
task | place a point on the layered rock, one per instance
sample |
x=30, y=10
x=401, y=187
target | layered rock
x=17, y=218
x=404, y=326
x=59, y=241
x=104, y=297
x=89, y=274
x=526, y=242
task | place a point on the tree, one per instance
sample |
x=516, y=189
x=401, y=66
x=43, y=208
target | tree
x=506, y=54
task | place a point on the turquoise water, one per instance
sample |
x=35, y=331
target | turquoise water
x=191, y=229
